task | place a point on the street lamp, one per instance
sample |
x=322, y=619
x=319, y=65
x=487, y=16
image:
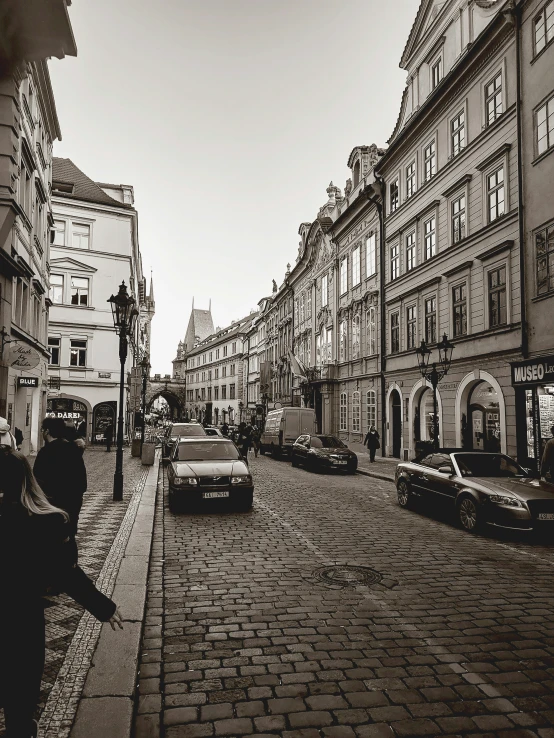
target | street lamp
x=145, y=371
x=435, y=375
x=124, y=315
x=241, y=406
x=230, y=410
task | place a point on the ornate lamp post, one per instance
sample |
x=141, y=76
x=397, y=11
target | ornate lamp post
x=434, y=375
x=124, y=316
x=145, y=371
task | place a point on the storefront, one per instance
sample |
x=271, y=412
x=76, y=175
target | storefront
x=533, y=381
x=68, y=409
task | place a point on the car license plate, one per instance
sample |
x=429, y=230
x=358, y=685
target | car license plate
x=210, y=495
x=546, y=516
x=339, y=462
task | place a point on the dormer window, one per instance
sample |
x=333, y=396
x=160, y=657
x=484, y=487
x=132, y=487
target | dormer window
x=436, y=72
x=64, y=188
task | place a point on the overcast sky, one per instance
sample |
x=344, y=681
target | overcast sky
x=229, y=118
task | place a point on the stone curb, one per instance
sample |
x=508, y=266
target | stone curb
x=106, y=706
x=385, y=477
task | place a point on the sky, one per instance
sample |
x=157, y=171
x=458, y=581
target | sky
x=230, y=118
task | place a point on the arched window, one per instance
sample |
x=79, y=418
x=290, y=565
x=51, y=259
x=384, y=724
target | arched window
x=371, y=331
x=371, y=405
x=356, y=173
x=356, y=337
x=356, y=410
x=343, y=420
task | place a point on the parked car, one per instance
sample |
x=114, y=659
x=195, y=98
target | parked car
x=207, y=469
x=213, y=432
x=283, y=426
x=323, y=453
x=176, y=431
x=482, y=488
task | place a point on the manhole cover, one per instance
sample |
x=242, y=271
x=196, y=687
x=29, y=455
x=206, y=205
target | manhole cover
x=347, y=576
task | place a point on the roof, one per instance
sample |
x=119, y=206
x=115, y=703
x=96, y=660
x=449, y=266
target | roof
x=64, y=171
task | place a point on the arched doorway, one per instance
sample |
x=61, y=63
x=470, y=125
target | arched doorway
x=396, y=420
x=175, y=410
x=483, y=432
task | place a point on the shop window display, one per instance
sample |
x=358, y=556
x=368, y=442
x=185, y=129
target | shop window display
x=484, y=431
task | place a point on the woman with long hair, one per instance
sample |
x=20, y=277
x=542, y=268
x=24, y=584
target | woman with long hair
x=35, y=552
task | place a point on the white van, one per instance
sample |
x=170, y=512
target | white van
x=283, y=426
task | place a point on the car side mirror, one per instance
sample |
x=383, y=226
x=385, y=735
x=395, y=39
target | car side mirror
x=446, y=470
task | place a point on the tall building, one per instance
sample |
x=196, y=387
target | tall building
x=29, y=34
x=95, y=248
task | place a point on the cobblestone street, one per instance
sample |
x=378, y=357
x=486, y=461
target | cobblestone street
x=454, y=638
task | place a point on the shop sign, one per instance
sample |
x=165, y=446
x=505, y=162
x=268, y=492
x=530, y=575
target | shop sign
x=22, y=356
x=27, y=381
x=66, y=408
x=534, y=371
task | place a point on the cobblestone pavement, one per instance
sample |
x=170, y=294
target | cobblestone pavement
x=99, y=524
x=244, y=638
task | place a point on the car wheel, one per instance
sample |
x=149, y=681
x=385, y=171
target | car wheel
x=171, y=502
x=245, y=503
x=468, y=514
x=262, y=450
x=405, y=498
x=293, y=460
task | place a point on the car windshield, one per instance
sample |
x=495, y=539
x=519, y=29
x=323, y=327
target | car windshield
x=326, y=442
x=206, y=451
x=488, y=465
x=187, y=429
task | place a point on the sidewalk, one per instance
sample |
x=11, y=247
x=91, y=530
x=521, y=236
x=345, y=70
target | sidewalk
x=382, y=467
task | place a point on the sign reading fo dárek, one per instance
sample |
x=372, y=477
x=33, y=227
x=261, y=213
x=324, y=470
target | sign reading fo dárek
x=27, y=381
x=22, y=356
x=533, y=371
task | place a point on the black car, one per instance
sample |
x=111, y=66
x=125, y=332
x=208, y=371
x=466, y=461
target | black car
x=323, y=453
x=483, y=488
x=206, y=470
x=176, y=431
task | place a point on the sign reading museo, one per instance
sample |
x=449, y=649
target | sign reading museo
x=534, y=371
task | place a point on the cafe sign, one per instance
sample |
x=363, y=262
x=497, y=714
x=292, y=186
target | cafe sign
x=23, y=356
x=533, y=371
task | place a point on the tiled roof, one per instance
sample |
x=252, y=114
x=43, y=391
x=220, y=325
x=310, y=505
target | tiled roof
x=65, y=171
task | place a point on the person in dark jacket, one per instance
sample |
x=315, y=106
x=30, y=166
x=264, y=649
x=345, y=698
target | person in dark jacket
x=108, y=433
x=225, y=429
x=372, y=442
x=60, y=470
x=547, y=461
x=34, y=554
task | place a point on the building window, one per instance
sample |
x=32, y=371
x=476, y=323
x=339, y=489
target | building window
x=410, y=251
x=394, y=195
x=343, y=335
x=344, y=276
x=356, y=278
x=544, y=27
x=216, y=373
x=495, y=194
x=234, y=347
x=78, y=353
x=430, y=232
x=217, y=353
x=458, y=133
x=544, y=123
x=79, y=291
x=395, y=333
x=430, y=160
x=544, y=249
x=327, y=346
x=231, y=391
x=223, y=371
x=371, y=406
x=59, y=233
x=459, y=219
x=370, y=265
x=371, y=331
x=356, y=412
x=497, y=297
x=203, y=394
x=56, y=289
x=431, y=320
x=54, y=351
x=343, y=416
x=232, y=370
x=493, y=99
x=356, y=337
x=224, y=392
x=410, y=179
x=225, y=350
x=209, y=394
x=80, y=235
x=395, y=261
x=411, y=327
x=324, y=291
x=436, y=73
x=216, y=393
x=459, y=307
x=318, y=350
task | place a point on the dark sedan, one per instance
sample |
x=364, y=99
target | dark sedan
x=176, y=431
x=208, y=469
x=483, y=488
x=323, y=453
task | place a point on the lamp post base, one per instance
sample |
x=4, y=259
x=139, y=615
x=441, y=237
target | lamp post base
x=117, y=486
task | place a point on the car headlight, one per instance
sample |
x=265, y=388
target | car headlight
x=242, y=479
x=185, y=481
x=502, y=500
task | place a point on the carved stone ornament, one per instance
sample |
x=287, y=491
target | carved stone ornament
x=274, y=287
x=348, y=187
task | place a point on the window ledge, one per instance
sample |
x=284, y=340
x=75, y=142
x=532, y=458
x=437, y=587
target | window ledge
x=538, y=298
x=77, y=368
x=542, y=156
x=78, y=307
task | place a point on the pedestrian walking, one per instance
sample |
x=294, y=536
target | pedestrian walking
x=18, y=435
x=33, y=556
x=5, y=432
x=547, y=461
x=372, y=442
x=60, y=470
x=244, y=438
x=256, y=435
x=225, y=430
x=108, y=433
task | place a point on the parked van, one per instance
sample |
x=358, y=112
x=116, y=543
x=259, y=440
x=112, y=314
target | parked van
x=283, y=426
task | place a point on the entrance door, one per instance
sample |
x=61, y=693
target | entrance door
x=318, y=409
x=396, y=424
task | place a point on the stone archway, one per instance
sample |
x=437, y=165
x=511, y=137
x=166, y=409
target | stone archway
x=415, y=396
x=171, y=399
x=465, y=387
